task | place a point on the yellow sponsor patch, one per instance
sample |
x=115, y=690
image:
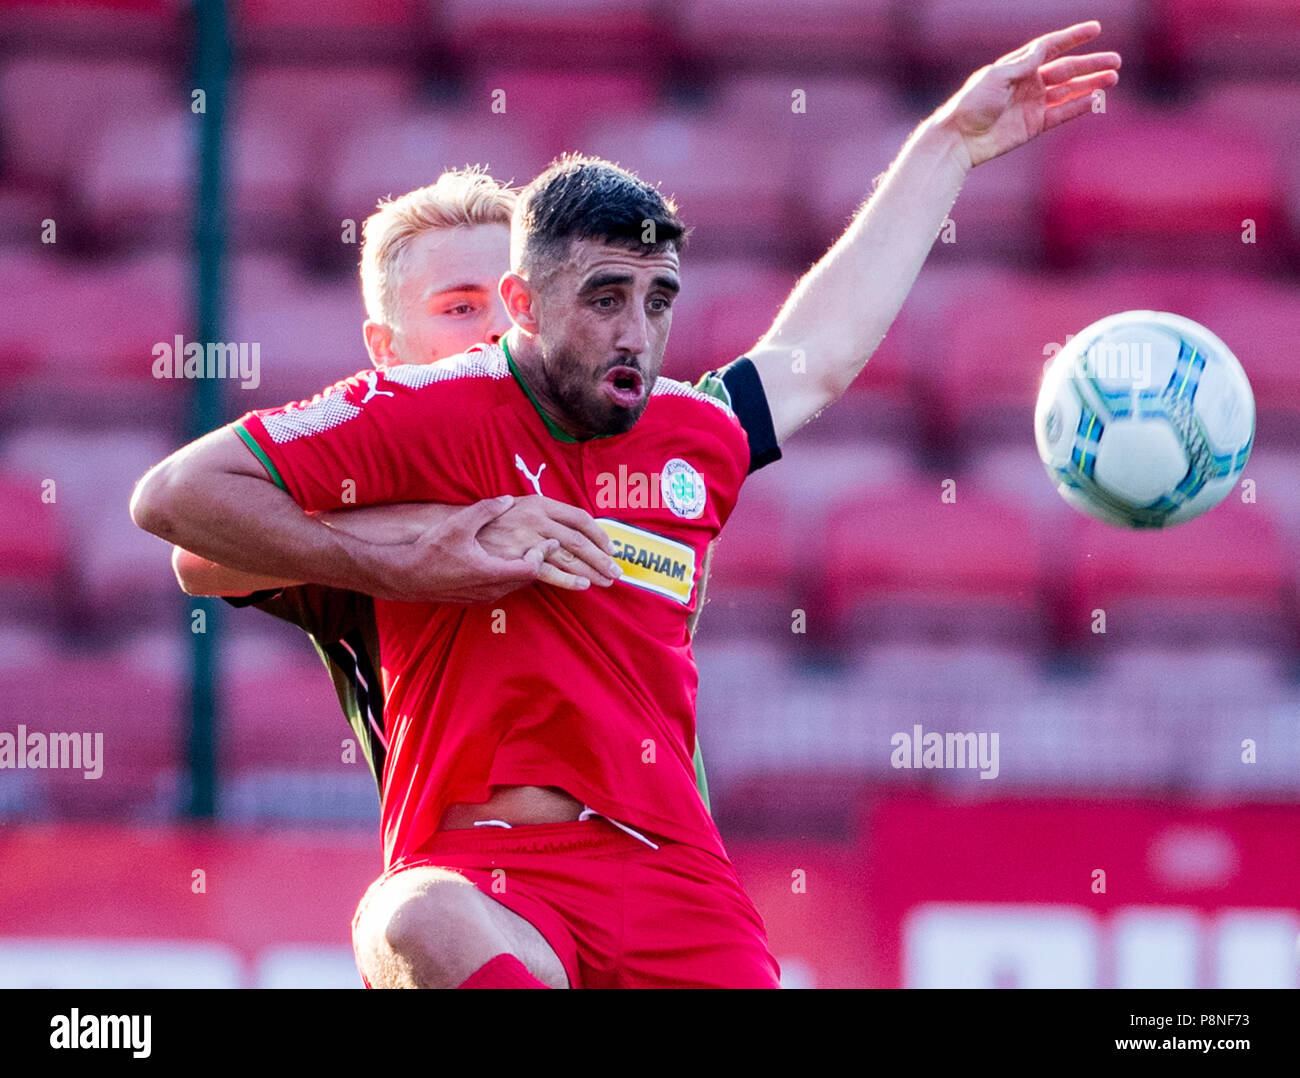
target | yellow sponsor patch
x=652, y=562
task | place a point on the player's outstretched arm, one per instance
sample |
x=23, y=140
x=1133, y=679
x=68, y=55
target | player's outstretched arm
x=581, y=559
x=838, y=313
x=213, y=498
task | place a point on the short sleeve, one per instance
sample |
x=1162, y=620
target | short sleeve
x=328, y=614
x=377, y=437
x=740, y=388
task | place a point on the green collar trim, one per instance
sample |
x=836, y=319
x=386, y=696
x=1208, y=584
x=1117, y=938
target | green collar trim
x=556, y=433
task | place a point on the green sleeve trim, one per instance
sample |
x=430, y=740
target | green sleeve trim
x=700, y=780
x=714, y=387
x=555, y=431
x=260, y=454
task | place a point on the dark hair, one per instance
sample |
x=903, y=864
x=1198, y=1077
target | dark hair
x=588, y=198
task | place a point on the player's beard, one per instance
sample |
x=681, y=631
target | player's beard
x=577, y=390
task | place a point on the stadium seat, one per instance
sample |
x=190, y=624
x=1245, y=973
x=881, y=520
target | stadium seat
x=121, y=570
x=1222, y=576
x=1163, y=188
x=724, y=308
x=681, y=153
x=1214, y=37
x=956, y=687
x=308, y=331
x=992, y=342
x=138, y=185
x=133, y=702
x=414, y=148
x=954, y=37
x=846, y=165
x=757, y=574
x=556, y=106
x=746, y=683
x=52, y=110
x=26, y=276
x=617, y=35
x=1199, y=703
x=1274, y=470
x=1257, y=320
x=154, y=29
x=271, y=157
x=35, y=557
x=282, y=712
x=342, y=30
x=901, y=563
x=853, y=35
x=288, y=121
x=82, y=334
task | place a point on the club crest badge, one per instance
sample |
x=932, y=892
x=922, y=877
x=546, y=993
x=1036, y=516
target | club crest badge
x=682, y=489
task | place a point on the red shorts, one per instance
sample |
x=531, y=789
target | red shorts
x=617, y=913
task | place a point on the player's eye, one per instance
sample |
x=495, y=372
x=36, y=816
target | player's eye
x=659, y=304
x=605, y=303
x=460, y=308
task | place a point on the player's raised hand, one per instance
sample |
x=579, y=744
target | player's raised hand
x=1029, y=91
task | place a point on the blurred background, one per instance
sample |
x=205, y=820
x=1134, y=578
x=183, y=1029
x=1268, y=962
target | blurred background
x=226, y=844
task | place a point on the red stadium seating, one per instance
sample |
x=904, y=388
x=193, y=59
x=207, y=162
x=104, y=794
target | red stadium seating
x=696, y=159
x=617, y=35
x=131, y=699
x=901, y=563
x=46, y=117
x=955, y=37
x=1258, y=321
x=757, y=573
x=853, y=34
x=1210, y=37
x=120, y=569
x=993, y=342
x=289, y=125
x=151, y=28
x=412, y=149
x=1163, y=188
x=308, y=331
x=724, y=308
x=557, y=106
x=138, y=185
x=1222, y=576
x=284, y=714
x=111, y=314
x=341, y=30
x=35, y=556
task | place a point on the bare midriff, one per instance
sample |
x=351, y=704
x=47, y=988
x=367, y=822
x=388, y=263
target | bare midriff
x=518, y=806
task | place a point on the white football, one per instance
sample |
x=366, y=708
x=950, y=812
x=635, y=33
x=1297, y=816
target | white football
x=1144, y=419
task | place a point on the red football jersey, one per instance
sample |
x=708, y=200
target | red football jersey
x=592, y=692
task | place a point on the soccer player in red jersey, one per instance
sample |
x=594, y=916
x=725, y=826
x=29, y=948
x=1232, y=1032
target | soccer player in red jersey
x=541, y=823
x=430, y=263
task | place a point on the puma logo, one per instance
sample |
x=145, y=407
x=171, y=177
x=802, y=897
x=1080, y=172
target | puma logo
x=371, y=378
x=536, y=480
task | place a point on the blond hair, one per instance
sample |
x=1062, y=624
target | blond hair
x=457, y=199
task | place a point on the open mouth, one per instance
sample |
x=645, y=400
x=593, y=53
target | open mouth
x=624, y=386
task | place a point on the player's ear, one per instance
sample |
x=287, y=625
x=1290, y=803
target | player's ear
x=517, y=294
x=379, y=343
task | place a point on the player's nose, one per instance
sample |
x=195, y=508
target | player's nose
x=633, y=333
